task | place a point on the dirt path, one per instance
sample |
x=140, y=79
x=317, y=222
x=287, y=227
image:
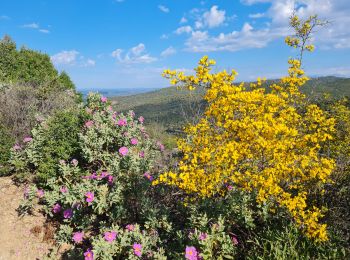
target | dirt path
x=20, y=237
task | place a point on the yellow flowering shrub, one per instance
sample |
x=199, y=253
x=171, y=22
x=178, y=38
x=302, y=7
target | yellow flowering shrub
x=266, y=142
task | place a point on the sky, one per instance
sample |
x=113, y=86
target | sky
x=115, y=44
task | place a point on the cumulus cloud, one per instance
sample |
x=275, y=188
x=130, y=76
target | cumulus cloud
x=168, y=52
x=35, y=26
x=135, y=55
x=183, y=29
x=183, y=20
x=164, y=9
x=214, y=17
x=71, y=58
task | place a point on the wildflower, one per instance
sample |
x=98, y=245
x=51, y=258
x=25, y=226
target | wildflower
x=78, y=237
x=229, y=187
x=130, y=227
x=122, y=122
x=26, y=193
x=110, y=179
x=104, y=174
x=74, y=162
x=27, y=139
x=56, y=208
x=203, y=236
x=125, y=134
x=234, y=240
x=141, y=119
x=40, y=193
x=134, y=141
x=132, y=113
x=89, y=196
x=123, y=151
x=89, y=123
x=191, y=253
x=137, y=249
x=68, y=213
x=141, y=154
x=110, y=236
x=103, y=99
x=89, y=255
x=161, y=146
x=16, y=147
x=63, y=189
x=148, y=176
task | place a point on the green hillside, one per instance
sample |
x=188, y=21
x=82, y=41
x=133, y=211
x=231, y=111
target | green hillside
x=167, y=106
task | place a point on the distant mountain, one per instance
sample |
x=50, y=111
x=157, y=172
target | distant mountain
x=165, y=106
x=117, y=92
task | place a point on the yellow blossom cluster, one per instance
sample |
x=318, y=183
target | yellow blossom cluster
x=267, y=142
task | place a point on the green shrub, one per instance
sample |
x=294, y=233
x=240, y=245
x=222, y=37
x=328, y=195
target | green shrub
x=6, y=142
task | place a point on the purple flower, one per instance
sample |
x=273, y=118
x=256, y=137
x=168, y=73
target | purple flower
x=89, y=255
x=234, y=240
x=27, y=139
x=104, y=174
x=40, y=193
x=16, y=147
x=89, y=196
x=130, y=227
x=148, y=176
x=191, y=253
x=103, y=99
x=63, y=189
x=141, y=154
x=110, y=236
x=89, y=123
x=229, y=187
x=123, y=151
x=110, y=179
x=137, y=249
x=68, y=213
x=134, y=141
x=122, y=122
x=141, y=119
x=78, y=237
x=74, y=162
x=56, y=208
x=203, y=236
x=132, y=113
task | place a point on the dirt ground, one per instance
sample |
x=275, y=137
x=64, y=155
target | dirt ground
x=20, y=237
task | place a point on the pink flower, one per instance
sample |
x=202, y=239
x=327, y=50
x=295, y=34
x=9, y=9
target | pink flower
x=27, y=139
x=191, y=253
x=63, y=189
x=141, y=154
x=89, y=255
x=130, y=227
x=89, y=123
x=122, y=122
x=16, y=147
x=68, y=213
x=123, y=151
x=56, y=208
x=134, y=141
x=137, y=249
x=203, y=236
x=89, y=196
x=141, y=119
x=78, y=237
x=104, y=174
x=103, y=99
x=161, y=146
x=148, y=176
x=110, y=179
x=40, y=193
x=235, y=240
x=110, y=236
x=132, y=113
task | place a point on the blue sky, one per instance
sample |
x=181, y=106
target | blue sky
x=127, y=43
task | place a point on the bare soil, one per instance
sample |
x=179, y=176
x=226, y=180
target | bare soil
x=21, y=238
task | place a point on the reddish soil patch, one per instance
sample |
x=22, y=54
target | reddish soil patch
x=21, y=237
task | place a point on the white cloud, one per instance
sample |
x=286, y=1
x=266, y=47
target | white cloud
x=44, y=31
x=168, y=52
x=183, y=29
x=90, y=63
x=214, y=17
x=164, y=37
x=183, y=20
x=135, y=55
x=257, y=15
x=164, y=9
x=31, y=26
x=65, y=57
